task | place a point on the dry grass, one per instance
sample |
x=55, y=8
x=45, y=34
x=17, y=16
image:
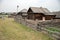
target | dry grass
x=10, y=30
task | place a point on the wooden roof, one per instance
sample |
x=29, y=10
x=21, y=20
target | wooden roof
x=41, y=10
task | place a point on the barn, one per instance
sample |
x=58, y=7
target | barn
x=40, y=13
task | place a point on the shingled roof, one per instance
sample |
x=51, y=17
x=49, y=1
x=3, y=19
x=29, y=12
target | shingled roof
x=41, y=10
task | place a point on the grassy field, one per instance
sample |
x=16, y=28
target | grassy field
x=10, y=30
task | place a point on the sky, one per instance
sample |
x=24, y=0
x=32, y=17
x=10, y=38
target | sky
x=11, y=5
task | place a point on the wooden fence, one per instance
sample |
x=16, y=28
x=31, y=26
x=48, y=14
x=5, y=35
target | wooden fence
x=41, y=26
x=45, y=28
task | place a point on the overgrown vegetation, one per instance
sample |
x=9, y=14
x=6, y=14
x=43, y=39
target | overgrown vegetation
x=53, y=29
x=10, y=30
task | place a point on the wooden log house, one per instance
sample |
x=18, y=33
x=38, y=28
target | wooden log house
x=39, y=13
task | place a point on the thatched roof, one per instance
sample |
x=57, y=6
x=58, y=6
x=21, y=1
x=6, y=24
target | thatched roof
x=41, y=10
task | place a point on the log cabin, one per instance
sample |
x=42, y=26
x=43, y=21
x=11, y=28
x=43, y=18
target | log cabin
x=40, y=13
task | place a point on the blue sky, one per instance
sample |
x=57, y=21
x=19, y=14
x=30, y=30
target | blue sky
x=11, y=5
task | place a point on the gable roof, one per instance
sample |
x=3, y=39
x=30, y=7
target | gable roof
x=46, y=11
x=36, y=10
x=41, y=10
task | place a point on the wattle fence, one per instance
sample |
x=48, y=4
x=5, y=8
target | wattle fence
x=50, y=28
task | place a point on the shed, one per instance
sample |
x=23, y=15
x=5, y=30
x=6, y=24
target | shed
x=23, y=13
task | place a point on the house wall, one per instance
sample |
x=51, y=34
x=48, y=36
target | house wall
x=30, y=16
x=40, y=16
x=35, y=16
x=49, y=17
x=56, y=20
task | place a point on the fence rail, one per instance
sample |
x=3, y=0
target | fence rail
x=41, y=26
